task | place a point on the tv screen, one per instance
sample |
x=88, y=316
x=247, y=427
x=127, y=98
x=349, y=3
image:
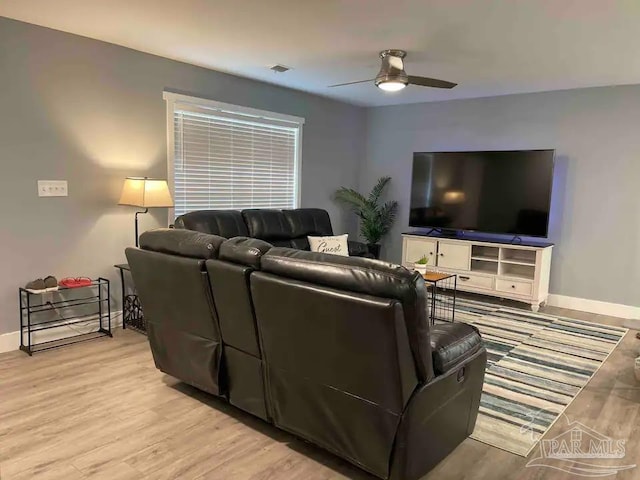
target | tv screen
x=506, y=192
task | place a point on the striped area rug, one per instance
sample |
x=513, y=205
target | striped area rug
x=537, y=364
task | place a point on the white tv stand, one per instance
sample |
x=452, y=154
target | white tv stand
x=517, y=271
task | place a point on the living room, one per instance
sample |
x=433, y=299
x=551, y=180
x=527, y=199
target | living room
x=93, y=90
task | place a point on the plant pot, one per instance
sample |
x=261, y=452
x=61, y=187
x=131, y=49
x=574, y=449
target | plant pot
x=374, y=249
x=421, y=268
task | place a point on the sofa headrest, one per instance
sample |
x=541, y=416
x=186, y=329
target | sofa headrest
x=267, y=224
x=184, y=243
x=245, y=251
x=308, y=221
x=355, y=274
x=226, y=223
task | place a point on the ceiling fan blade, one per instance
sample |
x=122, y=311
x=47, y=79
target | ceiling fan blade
x=430, y=82
x=351, y=83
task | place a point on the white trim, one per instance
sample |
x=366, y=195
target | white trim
x=171, y=212
x=10, y=341
x=594, y=306
x=198, y=103
x=298, y=168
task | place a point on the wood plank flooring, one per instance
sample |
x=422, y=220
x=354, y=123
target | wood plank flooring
x=100, y=410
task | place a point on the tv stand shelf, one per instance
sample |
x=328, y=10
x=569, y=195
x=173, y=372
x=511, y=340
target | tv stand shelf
x=484, y=259
x=498, y=268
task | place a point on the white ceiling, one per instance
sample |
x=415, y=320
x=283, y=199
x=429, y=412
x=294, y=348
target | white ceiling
x=489, y=47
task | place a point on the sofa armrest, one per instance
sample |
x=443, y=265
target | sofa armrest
x=452, y=344
x=358, y=249
x=439, y=416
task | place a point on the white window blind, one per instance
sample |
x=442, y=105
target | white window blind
x=227, y=157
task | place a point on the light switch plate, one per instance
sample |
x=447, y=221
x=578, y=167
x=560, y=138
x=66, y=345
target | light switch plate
x=52, y=188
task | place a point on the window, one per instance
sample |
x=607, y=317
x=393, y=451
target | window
x=224, y=156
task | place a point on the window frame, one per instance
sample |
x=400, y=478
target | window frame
x=204, y=105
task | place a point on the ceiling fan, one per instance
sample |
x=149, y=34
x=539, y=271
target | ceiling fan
x=392, y=76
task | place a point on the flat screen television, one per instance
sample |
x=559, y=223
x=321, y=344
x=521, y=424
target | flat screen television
x=504, y=192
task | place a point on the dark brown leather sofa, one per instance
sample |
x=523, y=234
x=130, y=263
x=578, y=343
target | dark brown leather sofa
x=336, y=350
x=281, y=228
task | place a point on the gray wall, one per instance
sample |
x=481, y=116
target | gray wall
x=595, y=219
x=92, y=113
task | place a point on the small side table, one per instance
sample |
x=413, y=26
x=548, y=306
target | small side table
x=442, y=304
x=132, y=314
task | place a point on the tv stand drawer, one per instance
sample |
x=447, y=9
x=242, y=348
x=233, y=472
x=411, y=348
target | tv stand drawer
x=475, y=281
x=514, y=286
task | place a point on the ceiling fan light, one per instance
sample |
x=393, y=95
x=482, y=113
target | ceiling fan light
x=391, y=85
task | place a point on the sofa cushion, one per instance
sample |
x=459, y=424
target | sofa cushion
x=245, y=251
x=226, y=223
x=266, y=224
x=184, y=243
x=308, y=221
x=368, y=276
x=300, y=243
x=364, y=275
x=452, y=343
x=335, y=244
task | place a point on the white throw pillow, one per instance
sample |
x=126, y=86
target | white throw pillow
x=336, y=245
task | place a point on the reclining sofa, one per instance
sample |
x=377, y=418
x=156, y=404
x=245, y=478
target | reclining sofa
x=281, y=228
x=336, y=350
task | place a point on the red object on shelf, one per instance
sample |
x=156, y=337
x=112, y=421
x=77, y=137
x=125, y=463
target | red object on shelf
x=76, y=282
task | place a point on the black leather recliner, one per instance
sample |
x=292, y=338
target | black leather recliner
x=229, y=278
x=281, y=228
x=182, y=324
x=337, y=350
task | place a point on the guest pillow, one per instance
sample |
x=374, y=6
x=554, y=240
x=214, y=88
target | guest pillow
x=336, y=244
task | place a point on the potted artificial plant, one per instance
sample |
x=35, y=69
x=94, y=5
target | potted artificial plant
x=421, y=265
x=376, y=218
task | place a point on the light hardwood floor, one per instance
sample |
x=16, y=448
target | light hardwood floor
x=101, y=410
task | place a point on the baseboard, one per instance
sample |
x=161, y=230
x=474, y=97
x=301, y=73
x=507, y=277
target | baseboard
x=595, y=306
x=11, y=341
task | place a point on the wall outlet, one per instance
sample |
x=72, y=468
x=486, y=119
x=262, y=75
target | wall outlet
x=52, y=188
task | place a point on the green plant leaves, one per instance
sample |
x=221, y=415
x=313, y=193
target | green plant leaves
x=376, y=192
x=375, y=220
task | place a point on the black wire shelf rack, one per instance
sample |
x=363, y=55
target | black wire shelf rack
x=70, y=310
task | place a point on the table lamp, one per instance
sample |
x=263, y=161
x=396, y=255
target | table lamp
x=145, y=193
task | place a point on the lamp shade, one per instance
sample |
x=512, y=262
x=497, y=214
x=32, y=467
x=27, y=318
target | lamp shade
x=145, y=192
